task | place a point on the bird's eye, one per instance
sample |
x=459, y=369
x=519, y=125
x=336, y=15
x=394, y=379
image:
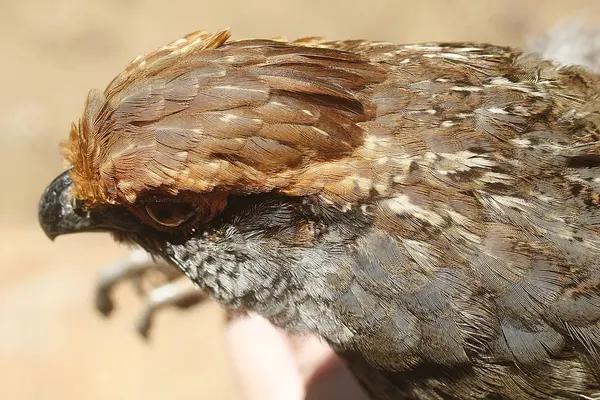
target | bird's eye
x=170, y=214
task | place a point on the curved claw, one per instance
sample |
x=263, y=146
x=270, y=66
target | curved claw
x=171, y=289
x=133, y=266
x=103, y=302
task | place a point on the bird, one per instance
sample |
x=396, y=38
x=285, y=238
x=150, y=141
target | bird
x=431, y=211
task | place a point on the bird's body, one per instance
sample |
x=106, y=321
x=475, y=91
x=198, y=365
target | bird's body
x=432, y=211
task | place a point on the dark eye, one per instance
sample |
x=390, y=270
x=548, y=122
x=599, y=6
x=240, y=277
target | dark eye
x=170, y=214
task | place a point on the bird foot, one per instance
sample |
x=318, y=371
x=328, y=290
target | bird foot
x=157, y=282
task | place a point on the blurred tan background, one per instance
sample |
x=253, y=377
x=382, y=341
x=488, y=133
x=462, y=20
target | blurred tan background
x=53, y=345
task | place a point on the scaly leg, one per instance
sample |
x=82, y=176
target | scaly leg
x=181, y=293
x=170, y=287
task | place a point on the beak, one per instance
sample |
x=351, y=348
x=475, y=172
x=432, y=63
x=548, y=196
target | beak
x=59, y=213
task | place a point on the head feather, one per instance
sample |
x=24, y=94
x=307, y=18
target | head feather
x=203, y=113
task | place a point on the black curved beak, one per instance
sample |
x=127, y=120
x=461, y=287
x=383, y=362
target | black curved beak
x=59, y=213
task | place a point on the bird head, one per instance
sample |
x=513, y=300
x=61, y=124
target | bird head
x=216, y=154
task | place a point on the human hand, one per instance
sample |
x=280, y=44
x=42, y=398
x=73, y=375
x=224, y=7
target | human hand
x=272, y=365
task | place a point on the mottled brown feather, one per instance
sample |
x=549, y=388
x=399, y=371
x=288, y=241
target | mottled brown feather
x=481, y=168
x=189, y=117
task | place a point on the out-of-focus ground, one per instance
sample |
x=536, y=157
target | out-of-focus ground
x=52, y=343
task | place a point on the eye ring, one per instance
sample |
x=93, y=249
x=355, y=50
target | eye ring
x=170, y=214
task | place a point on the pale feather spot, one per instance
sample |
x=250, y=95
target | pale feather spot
x=508, y=201
x=402, y=205
x=320, y=131
x=463, y=161
x=451, y=56
x=380, y=188
x=245, y=89
x=190, y=182
x=468, y=159
x=215, y=165
x=377, y=139
x=496, y=177
x=179, y=41
x=544, y=198
x=497, y=110
x=373, y=142
x=479, y=162
x=499, y=81
x=471, y=237
x=467, y=88
x=423, y=253
x=421, y=47
x=430, y=112
x=399, y=179
x=447, y=124
x=582, y=114
x=345, y=207
x=457, y=217
x=467, y=49
x=430, y=157
x=228, y=118
x=126, y=188
x=229, y=59
x=521, y=110
x=363, y=184
x=518, y=142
